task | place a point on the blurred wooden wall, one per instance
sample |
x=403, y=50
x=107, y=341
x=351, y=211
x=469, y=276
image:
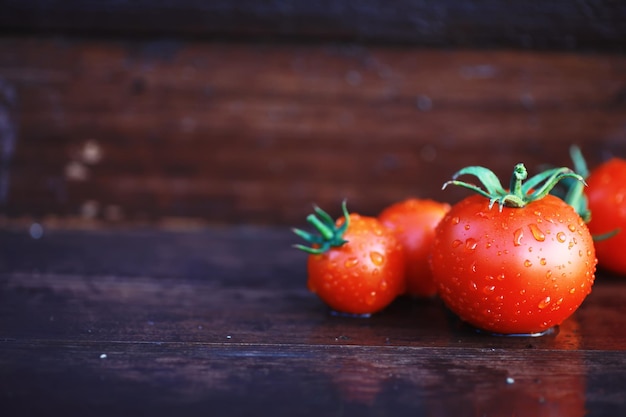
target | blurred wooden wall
x=165, y=112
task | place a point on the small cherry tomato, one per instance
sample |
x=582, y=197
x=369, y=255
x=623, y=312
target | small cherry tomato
x=606, y=194
x=413, y=221
x=355, y=264
x=519, y=267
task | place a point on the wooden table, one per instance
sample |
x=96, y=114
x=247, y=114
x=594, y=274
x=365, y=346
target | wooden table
x=218, y=321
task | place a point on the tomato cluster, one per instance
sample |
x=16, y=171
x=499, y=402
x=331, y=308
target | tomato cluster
x=507, y=261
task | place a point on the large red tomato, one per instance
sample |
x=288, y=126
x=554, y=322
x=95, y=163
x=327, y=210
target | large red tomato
x=413, y=221
x=520, y=266
x=355, y=265
x=606, y=194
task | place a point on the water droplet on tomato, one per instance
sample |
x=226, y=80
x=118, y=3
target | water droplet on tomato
x=351, y=262
x=456, y=243
x=501, y=277
x=544, y=303
x=542, y=261
x=560, y=237
x=473, y=285
x=467, y=227
x=572, y=291
x=528, y=263
x=536, y=232
x=548, y=274
x=488, y=245
x=455, y=220
x=470, y=244
x=377, y=258
x=517, y=237
x=571, y=227
x=371, y=298
x=473, y=267
x=384, y=285
x=489, y=289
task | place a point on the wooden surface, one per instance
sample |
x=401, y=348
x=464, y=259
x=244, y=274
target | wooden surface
x=233, y=132
x=532, y=24
x=219, y=321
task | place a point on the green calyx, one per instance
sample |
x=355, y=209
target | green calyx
x=574, y=193
x=329, y=234
x=521, y=191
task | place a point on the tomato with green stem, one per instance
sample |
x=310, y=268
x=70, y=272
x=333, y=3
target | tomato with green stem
x=520, y=266
x=603, y=201
x=355, y=264
x=413, y=221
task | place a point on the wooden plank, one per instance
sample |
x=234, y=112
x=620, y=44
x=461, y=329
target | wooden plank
x=242, y=286
x=237, y=133
x=588, y=24
x=159, y=379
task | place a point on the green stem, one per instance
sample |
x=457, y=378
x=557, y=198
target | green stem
x=519, y=175
x=325, y=231
x=330, y=235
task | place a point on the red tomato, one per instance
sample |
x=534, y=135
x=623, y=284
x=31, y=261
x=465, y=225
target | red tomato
x=513, y=270
x=357, y=268
x=606, y=194
x=413, y=221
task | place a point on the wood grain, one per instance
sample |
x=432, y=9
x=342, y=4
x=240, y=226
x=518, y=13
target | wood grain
x=153, y=322
x=254, y=133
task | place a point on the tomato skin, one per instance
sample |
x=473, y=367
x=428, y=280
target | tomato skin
x=364, y=275
x=515, y=271
x=606, y=193
x=413, y=221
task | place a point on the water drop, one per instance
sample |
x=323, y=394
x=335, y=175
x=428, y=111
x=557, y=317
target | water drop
x=473, y=285
x=383, y=285
x=501, y=277
x=536, y=232
x=528, y=263
x=467, y=227
x=470, y=244
x=351, y=262
x=487, y=245
x=455, y=220
x=489, y=289
x=560, y=237
x=548, y=274
x=542, y=261
x=571, y=227
x=517, y=237
x=544, y=303
x=456, y=243
x=377, y=258
x=572, y=291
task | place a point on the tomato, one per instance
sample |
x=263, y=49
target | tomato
x=413, y=221
x=519, y=267
x=356, y=265
x=606, y=194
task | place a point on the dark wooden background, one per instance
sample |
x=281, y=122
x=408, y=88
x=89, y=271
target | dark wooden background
x=189, y=112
